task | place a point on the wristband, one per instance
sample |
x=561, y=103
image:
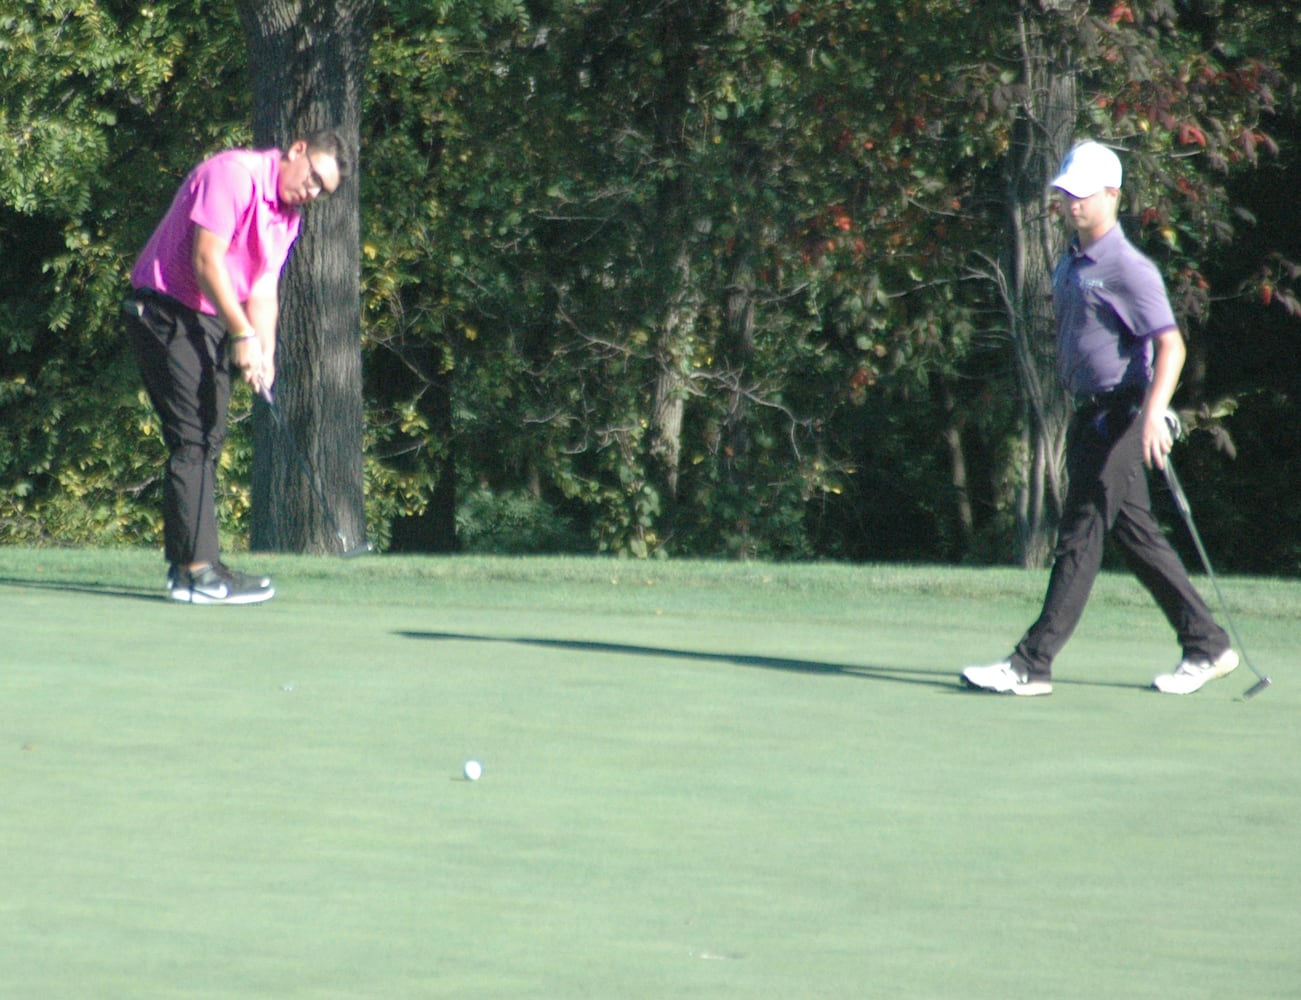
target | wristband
x=248, y=333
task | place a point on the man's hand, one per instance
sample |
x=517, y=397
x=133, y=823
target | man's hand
x=1167, y=363
x=246, y=355
x=266, y=375
x=1157, y=439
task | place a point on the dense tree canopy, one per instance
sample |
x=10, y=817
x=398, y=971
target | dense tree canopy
x=695, y=278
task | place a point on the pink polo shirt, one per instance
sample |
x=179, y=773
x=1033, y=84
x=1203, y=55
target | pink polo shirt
x=233, y=194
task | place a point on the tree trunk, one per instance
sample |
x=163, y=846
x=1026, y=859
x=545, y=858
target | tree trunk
x=1041, y=136
x=954, y=422
x=671, y=388
x=308, y=62
x=736, y=358
x=679, y=25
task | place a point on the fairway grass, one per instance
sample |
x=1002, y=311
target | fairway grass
x=701, y=780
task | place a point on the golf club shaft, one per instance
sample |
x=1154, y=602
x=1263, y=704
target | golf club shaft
x=1185, y=511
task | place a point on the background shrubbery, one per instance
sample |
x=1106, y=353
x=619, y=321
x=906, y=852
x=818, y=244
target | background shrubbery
x=688, y=278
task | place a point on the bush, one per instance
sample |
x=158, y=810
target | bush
x=514, y=522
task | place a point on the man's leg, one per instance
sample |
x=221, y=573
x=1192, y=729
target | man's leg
x=188, y=382
x=1103, y=458
x=1153, y=560
x=1076, y=561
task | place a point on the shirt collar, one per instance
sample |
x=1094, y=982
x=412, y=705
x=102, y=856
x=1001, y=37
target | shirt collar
x=271, y=188
x=1102, y=247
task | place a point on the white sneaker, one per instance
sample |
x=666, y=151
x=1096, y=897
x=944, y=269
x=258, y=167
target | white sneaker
x=1001, y=678
x=1190, y=675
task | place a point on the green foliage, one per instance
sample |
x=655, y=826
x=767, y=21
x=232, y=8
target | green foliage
x=701, y=278
x=581, y=240
x=85, y=170
x=512, y=523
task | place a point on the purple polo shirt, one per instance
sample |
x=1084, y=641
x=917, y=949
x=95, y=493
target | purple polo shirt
x=1109, y=300
x=234, y=194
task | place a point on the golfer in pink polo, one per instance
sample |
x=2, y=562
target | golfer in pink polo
x=205, y=300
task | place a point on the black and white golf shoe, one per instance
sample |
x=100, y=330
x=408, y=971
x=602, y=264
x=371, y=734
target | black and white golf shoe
x=218, y=585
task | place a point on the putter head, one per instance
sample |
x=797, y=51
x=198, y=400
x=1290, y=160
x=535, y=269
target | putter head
x=1256, y=688
x=1176, y=426
x=360, y=549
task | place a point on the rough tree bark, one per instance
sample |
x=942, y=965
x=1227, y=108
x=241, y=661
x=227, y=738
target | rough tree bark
x=1041, y=136
x=308, y=62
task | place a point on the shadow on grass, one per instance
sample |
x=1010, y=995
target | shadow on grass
x=898, y=675
x=94, y=589
x=946, y=680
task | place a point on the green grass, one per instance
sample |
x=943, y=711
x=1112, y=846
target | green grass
x=701, y=780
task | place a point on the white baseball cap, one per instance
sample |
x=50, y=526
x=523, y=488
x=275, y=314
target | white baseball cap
x=1087, y=169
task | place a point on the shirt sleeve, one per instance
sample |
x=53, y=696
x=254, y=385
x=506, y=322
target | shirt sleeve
x=1146, y=309
x=223, y=191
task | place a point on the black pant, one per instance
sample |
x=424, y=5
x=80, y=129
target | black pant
x=1108, y=494
x=182, y=359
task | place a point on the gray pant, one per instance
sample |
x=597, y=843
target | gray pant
x=182, y=359
x=1108, y=494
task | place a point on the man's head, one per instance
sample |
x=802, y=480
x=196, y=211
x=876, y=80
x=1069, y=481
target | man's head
x=313, y=167
x=1088, y=168
x=1089, y=180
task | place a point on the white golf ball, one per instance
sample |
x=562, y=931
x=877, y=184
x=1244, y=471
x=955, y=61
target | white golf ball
x=473, y=770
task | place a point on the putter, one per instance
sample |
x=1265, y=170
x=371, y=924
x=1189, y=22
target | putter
x=346, y=552
x=1181, y=501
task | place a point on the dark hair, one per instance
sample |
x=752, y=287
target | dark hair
x=332, y=144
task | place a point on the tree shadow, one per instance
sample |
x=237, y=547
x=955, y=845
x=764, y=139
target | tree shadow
x=94, y=589
x=897, y=675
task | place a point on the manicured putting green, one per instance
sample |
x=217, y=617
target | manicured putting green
x=699, y=780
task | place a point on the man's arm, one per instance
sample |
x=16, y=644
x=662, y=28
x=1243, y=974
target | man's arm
x=214, y=281
x=1167, y=364
x=263, y=309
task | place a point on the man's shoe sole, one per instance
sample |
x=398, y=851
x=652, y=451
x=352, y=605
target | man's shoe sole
x=184, y=596
x=1030, y=689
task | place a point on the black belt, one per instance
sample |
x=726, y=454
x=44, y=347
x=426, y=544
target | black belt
x=147, y=294
x=1120, y=396
x=133, y=303
x=133, y=300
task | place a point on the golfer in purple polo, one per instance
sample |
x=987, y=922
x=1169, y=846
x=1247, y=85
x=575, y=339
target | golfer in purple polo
x=205, y=300
x=1119, y=355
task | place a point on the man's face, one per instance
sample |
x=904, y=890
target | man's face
x=306, y=176
x=1091, y=216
